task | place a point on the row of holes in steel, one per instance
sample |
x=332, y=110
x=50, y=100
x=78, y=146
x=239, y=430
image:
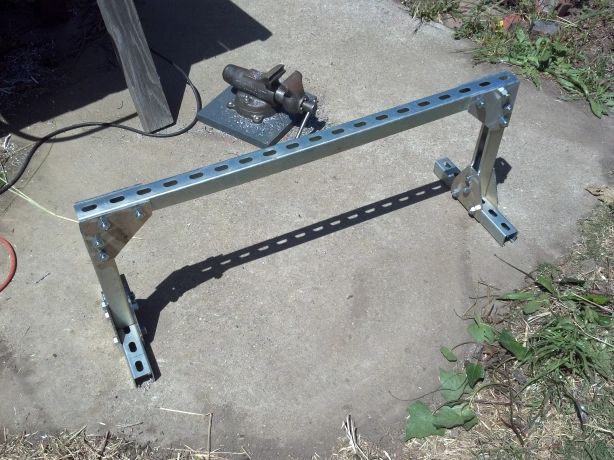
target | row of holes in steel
x=133, y=349
x=293, y=145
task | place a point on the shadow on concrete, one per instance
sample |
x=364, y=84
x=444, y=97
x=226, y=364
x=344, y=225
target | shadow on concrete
x=190, y=276
x=186, y=32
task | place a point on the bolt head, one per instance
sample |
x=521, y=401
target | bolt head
x=480, y=103
x=455, y=193
x=102, y=256
x=507, y=108
x=504, y=122
x=138, y=213
x=257, y=119
x=230, y=105
x=103, y=224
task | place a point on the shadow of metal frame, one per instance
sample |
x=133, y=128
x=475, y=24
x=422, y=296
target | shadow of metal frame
x=108, y=222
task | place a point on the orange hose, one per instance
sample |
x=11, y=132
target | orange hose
x=13, y=263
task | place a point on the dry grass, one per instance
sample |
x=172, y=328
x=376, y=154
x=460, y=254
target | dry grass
x=79, y=445
x=76, y=445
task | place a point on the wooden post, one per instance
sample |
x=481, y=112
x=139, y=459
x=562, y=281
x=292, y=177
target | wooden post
x=122, y=22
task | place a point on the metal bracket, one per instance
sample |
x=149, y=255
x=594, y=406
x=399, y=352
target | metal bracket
x=109, y=221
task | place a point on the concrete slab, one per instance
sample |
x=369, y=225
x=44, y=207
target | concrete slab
x=280, y=349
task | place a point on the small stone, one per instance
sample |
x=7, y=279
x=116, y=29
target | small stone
x=540, y=27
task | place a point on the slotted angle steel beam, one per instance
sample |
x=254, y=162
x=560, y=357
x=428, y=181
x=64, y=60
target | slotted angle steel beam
x=109, y=221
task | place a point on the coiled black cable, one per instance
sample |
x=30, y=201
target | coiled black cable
x=10, y=183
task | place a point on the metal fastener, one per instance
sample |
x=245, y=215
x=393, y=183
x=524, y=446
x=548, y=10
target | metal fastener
x=456, y=193
x=504, y=122
x=104, y=224
x=98, y=242
x=472, y=210
x=138, y=213
x=507, y=108
x=480, y=103
x=102, y=255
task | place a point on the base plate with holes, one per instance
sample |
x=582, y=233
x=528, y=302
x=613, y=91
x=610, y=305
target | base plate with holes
x=109, y=221
x=268, y=132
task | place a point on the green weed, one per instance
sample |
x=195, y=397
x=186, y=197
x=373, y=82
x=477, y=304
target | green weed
x=553, y=57
x=431, y=10
x=568, y=57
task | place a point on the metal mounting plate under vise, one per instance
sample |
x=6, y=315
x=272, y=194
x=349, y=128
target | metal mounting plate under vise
x=109, y=221
x=257, y=107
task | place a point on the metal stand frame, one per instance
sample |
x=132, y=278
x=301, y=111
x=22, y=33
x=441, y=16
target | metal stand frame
x=109, y=221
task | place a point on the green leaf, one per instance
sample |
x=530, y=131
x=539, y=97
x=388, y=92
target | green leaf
x=599, y=299
x=522, y=295
x=470, y=423
x=420, y=422
x=510, y=344
x=599, y=109
x=482, y=332
x=475, y=373
x=603, y=320
x=533, y=305
x=448, y=354
x=452, y=384
x=451, y=417
x=546, y=283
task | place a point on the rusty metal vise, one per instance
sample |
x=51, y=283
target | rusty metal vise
x=257, y=107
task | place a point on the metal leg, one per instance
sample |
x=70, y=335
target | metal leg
x=109, y=221
x=475, y=187
x=105, y=237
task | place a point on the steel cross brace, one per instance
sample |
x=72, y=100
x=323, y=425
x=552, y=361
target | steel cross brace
x=109, y=221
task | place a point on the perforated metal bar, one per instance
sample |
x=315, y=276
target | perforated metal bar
x=109, y=221
x=295, y=152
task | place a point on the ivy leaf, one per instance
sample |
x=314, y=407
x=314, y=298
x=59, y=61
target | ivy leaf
x=452, y=384
x=482, y=332
x=546, y=283
x=510, y=344
x=475, y=373
x=448, y=354
x=451, y=417
x=522, y=295
x=420, y=422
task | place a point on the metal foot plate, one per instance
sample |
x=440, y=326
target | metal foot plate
x=268, y=132
x=488, y=215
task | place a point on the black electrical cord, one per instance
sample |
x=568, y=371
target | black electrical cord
x=88, y=124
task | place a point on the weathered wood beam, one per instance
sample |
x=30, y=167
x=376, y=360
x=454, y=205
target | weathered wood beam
x=122, y=22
